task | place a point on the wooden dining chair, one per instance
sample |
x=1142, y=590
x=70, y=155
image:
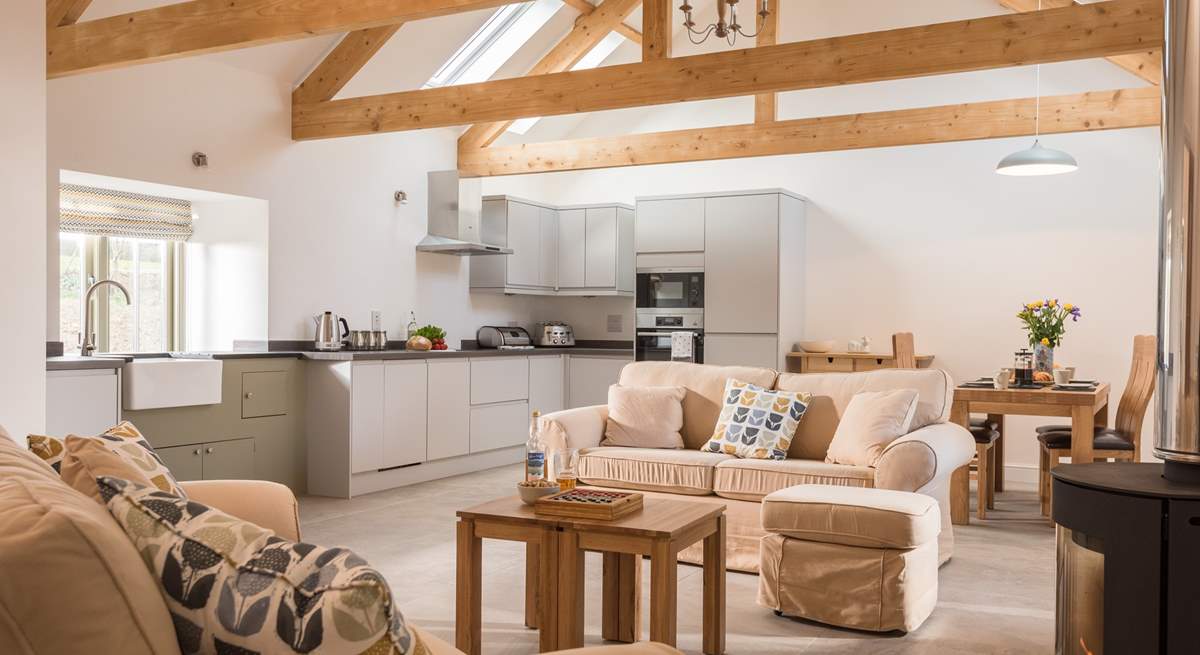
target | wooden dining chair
x=904, y=354
x=1123, y=441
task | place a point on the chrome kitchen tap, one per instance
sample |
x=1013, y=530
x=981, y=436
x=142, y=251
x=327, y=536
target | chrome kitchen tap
x=87, y=339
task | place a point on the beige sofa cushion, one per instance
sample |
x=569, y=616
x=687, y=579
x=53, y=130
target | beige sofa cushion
x=652, y=469
x=705, y=386
x=872, y=420
x=752, y=479
x=644, y=417
x=72, y=581
x=831, y=393
x=874, y=518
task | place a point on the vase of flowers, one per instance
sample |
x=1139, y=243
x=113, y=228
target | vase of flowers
x=1045, y=324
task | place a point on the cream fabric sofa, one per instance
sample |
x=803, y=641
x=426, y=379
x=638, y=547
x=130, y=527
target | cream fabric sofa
x=921, y=461
x=72, y=582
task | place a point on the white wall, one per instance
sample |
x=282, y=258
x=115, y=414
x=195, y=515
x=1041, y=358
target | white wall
x=925, y=238
x=337, y=239
x=22, y=207
x=225, y=274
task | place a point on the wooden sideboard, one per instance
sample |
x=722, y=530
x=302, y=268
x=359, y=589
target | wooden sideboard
x=806, y=362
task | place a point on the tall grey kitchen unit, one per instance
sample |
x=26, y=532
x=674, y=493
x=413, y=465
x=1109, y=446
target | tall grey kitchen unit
x=754, y=268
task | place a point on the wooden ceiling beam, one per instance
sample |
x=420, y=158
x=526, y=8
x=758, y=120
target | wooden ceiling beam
x=342, y=63
x=64, y=12
x=1146, y=65
x=584, y=7
x=200, y=26
x=590, y=29
x=1076, y=32
x=656, y=29
x=1098, y=110
x=766, y=105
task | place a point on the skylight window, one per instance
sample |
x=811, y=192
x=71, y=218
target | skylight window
x=509, y=28
x=592, y=59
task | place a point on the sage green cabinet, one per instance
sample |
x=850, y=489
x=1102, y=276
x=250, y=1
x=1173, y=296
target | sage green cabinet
x=184, y=462
x=256, y=432
x=219, y=460
x=264, y=393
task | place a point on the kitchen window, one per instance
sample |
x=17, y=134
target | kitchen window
x=135, y=240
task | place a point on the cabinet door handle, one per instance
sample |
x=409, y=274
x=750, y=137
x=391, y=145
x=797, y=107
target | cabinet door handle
x=208, y=451
x=196, y=451
x=249, y=395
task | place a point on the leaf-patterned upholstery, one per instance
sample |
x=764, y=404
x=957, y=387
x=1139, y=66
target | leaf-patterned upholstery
x=233, y=587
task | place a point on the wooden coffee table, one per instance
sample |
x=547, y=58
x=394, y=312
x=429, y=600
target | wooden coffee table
x=554, y=582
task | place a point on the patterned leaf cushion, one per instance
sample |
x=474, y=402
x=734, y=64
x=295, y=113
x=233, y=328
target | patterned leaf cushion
x=235, y=588
x=79, y=460
x=49, y=449
x=757, y=423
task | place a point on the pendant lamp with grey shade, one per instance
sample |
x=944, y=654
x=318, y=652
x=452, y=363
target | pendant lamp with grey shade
x=1037, y=159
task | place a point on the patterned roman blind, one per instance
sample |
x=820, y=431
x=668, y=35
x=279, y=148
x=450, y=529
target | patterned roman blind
x=105, y=212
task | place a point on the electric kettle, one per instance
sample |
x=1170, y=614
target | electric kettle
x=329, y=337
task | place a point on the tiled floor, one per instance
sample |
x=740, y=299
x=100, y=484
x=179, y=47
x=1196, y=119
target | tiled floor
x=996, y=595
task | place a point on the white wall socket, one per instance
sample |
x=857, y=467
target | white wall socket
x=376, y=319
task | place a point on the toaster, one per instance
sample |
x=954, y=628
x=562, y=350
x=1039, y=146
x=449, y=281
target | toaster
x=553, y=334
x=491, y=336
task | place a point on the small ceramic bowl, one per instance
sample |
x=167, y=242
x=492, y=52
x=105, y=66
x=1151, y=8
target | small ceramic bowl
x=529, y=495
x=823, y=346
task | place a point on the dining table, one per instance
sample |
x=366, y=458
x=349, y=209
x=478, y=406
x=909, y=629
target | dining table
x=1087, y=409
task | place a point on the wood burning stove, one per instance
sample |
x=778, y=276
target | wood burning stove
x=1128, y=560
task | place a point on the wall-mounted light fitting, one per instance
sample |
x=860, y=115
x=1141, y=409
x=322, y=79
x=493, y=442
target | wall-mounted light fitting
x=199, y=160
x=401, y=198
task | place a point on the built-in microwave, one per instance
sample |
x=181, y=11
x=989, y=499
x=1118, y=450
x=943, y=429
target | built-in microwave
x=670, y=289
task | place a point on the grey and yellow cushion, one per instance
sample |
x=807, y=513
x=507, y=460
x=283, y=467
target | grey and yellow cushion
x=233, y=587
x=757, y=423
x=123, y=440
x=49, y=449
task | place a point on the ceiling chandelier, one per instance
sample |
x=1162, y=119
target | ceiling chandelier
x=726, y=27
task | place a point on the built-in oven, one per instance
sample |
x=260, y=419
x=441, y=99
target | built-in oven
x=673, y=288
x=656, y=329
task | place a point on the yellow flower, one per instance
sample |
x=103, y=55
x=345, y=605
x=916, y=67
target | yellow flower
x=1068, y=307
x=1045, y=341
x=1053, y=303
x=1037, y=303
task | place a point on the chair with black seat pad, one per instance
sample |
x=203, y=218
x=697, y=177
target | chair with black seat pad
x=1122, y=441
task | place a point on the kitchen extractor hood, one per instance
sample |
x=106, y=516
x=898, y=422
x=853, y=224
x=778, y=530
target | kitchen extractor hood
x=455, y=207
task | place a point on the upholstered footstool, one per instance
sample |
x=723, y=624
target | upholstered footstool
x=849, y=556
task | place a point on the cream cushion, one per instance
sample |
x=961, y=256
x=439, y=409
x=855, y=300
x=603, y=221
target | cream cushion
x=831, y=393
x=705, y=386
x=752, y=479
x=872, y=420
x=873, y=518
x=644, y=417
x=73, y=583
x=687, y=472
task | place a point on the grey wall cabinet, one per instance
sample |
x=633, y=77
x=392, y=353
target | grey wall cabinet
x=670, y=225
x=741, y=264
x=584, y=250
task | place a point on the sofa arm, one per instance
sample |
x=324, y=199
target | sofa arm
x=268, y=505
x=913, y=461
x=582, y=427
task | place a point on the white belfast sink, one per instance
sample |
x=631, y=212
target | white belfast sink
x=167, y=382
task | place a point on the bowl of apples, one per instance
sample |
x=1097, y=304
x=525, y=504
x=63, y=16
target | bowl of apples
x=435, y=335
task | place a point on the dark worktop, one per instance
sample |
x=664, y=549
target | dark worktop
x=113, y=361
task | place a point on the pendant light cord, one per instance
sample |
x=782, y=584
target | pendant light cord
x=1037, y=97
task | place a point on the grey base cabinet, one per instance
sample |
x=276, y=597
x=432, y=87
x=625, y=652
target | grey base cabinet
x=759, y=350
x=219, y=460
x=255, y=433
x=590, y=377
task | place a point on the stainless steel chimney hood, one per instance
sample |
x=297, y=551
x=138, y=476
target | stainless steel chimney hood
x=455, y=208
